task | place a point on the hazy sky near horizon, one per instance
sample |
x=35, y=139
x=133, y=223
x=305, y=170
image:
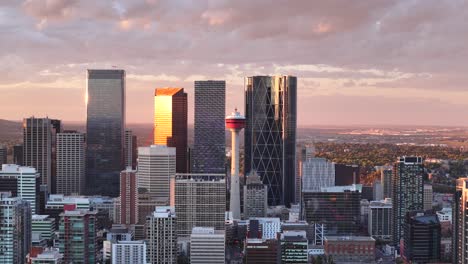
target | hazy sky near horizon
x=357, y=62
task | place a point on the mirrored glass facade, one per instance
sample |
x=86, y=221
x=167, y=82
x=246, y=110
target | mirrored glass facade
x=105, y=128
x=270, y=134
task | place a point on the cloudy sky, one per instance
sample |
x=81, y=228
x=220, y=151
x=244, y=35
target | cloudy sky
x=357, y=62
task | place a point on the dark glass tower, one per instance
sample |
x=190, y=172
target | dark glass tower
x=170, y=123
x=105, y=128
x=270, y=134
x=408, y=192
x=210, y=140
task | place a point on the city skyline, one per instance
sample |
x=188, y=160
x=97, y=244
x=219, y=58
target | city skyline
x=366, y=63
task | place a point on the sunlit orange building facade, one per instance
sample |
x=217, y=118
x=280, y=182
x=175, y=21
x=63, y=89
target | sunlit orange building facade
x=170, y=123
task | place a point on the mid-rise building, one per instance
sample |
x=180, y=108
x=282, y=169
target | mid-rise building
x=124, y=252
x=161, y=236
x=380, y=220
x=128, y=197
x=294, y=247
x=317, y=173
x=156, y=166
x=421, y=237
x=261, y=251
x=207, y=245
x=39, y=136
x=255, y=197
x=105, y=130
x=15, y=226
x=408, y=191
x=270, y=226
x=200, y=200
x=270, y=134
x=170, y=123
x=445, y=215
x=427, y=197
x=43, y=230
x=77, y=236
x=131, y=149
x=350, y=249
x=18, y=154
x=117, y=232
x=71, y=169
x=23, y=182
x=209, y=139
x=49, y=256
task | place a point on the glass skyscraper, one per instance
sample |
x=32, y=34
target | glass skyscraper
x=270, y=134
x=210, y=138
x=170, y=123
x=105, y=128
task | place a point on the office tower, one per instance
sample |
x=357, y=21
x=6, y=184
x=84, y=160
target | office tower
x=207, y=245
x=23, y=182
x=209, y=139
x=105, y=131
x=71, y=169
x=316, y=174
x=305, y=153
x=18, y=154
x=427, y=197
x=255, y=197
x=261, y=251
x=333, y=210
x=77, y=236
x=43, y=230
x=128, y=197
x=170, y=123
x=421, y=240
x=350, y=249
x=270, y=134
x=156, y=165
x=200, y=200
x=49, y=256
x=235, y=123
x=377, y=190
x=39, y=136
x=15, y=224
x=294, y=246
x=346, y=174
x=270, y=226
x=161, y=236
x=380, y=220
x=130, y=149
x=460, y=222
x=3, y=155
x=386, y=173
x=408, y=192
x=124, y=252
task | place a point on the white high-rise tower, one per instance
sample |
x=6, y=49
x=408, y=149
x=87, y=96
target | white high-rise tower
x=235, y=123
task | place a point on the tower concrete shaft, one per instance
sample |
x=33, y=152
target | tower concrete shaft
x=235, y=193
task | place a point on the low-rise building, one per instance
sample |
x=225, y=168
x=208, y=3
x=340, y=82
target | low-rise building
x=350, y=249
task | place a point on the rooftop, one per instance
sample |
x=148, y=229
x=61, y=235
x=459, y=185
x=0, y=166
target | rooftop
x=36, y=217
x=349, y=238
x=167, y=91
x=13, y=168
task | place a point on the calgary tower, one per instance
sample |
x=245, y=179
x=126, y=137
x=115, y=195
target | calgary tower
x=235, y=122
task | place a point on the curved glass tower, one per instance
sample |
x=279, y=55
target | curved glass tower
x=270, y=134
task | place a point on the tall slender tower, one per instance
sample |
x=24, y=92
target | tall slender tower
x=235, y=123
x=170, y=123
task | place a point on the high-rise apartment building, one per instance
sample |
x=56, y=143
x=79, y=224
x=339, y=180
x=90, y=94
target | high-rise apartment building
x=210, y=138
x=161, y=236
x=408, y=191
x=39, y=142
x=156, y=166
x=77, y=236
x=124, y=252
x=105, y=131
x=128, y=197
x=460, y=222
x=380, y=220
x=207, y=245
x=131, y=149
x=386, y=173
x=170, y=123
x=23, y=182
x=316, y=174
x=71, y=168
x=15, y=224
x=255, y=197
x=421, y=238
x=270, y=134
x=200, y=200
x=427, y=197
